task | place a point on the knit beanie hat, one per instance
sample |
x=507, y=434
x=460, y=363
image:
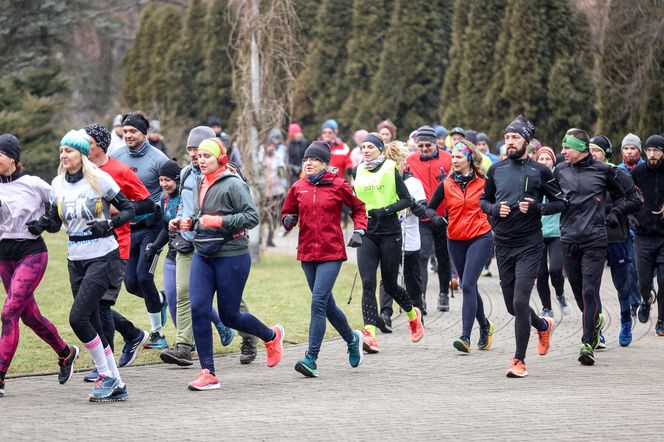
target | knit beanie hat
x=656, y=141
x=458, y=130
x=631, y=139
x=522, y=126
x=329, y=124
x=440, y=131
x=319, y=150
x=117, y=121
x=214, y=121
x=603, y=143
x=155, y=126
x=293, y=130
x=9, y=146
x=198, y=134
x=170, y=169
x=138, y=121
x=77, y=139
x=376, y=141
x=426, y=133
x=100, y=134
x=471, y=136
x=483, y=137
x=546, y=150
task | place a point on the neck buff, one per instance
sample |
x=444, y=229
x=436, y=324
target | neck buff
x=314, y=179
x=374, y=164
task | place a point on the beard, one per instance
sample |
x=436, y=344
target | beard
x=517, y=154
x=654, y=165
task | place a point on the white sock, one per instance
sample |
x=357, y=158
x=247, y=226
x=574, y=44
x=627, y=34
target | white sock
x=110, y=360
x=98, y=356
x=161, y=298
x=155, y=322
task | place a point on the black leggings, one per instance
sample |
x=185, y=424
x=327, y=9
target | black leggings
x=584, y=264
x=412, y=279
x=550, y=267
x=386, y=251
x=434, y=242
x=650, y=259
x=517, y=269
x=89, y=279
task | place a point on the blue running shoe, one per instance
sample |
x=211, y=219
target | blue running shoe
x=164, y=310
x=104, y=388
x=92, y=376
x=355, y=350
x=131, y=349
x=225, y=333
x=307, y=367
x=156, y=341
x=625, y=337
x=659, y=328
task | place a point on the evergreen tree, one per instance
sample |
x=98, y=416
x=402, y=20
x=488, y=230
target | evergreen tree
x=370, y=26
x=449, y=108
x=135, y=63
x=306, y=11
x=164, y=25
x=317, y=95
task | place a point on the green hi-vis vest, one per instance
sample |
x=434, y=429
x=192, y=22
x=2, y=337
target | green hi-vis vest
x=376, y=189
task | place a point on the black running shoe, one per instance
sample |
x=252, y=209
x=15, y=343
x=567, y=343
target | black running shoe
x=248, y=350
x=384, y=323
x=67, y=365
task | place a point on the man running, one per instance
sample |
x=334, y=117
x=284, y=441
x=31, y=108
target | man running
x=513, y=195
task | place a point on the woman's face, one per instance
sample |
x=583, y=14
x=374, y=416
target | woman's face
x=207, y=162
x=385, y=134
x=370, y=152
x=546, y=160
x=71, y=159
x=7, y=166
x=312, y=166
x=167, y=184
x=459, y=162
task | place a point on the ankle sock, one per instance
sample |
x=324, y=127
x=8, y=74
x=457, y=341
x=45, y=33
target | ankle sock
x=371, y=329
x=96, y=351
x=412, y=314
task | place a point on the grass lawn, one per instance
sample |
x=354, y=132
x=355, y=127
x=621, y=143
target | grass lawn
x=276, y=292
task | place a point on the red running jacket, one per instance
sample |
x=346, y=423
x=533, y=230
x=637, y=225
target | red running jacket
x=465, y=218
x=430, y=172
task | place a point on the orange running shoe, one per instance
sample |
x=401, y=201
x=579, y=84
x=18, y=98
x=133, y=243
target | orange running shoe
x=544, y=338
x=416, y=327
x=369, y=342
x=275, y=348
x=517, y=369
x=205, y=381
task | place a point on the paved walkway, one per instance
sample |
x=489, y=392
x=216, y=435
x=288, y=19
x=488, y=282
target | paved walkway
x=425, y=391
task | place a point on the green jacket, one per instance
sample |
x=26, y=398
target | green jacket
x=229, y=197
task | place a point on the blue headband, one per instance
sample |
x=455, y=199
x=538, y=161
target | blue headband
x=371, y=138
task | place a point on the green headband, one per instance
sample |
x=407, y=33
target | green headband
x=572, y=142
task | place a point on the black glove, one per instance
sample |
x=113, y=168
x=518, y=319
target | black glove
x=613, y=219
x=35, y=227
x=439, y=221
x=290, y=221
x=150, y=252
x=377, y=213
x=100, y=228
x=356, y=239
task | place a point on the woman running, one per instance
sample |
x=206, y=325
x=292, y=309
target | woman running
x=316, y=201
x=469, y=237
x=23, y=259
x=81, y=196
x=379, y=185
x=551, y=265
x=221, y=259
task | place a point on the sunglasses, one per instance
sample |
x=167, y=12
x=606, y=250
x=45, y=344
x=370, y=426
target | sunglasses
x=424, y=144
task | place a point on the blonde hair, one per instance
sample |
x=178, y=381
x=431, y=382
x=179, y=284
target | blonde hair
x=394, y=152
x=90, y=173
x=476, y=164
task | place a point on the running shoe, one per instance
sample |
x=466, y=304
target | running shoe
x=564, y=305
x=384, y=323
x=164, y=310
x=485, y=272
x=635, y=309
x=454, y=283
x=67, y=365
x=119, y=394
x=486, y=337
x=248, y=350
x=625, y=337
x=104, y=388
x=546, y=313
x=602, y=342
x=156, y=341
x=644, y=309
x=131, y=349
x=517, y=369
x=416, y=327
x=659, y=328
x=586, y=355
x=204, y=381
x=2, y=388
x=369, y=343
x=307, y=367
x=544, y=337
x=275, y=347
x=92, y=376
x=355, y=350
x=178, y=355
x=226, y=334
x=443, y=302
x=597, y=339
x=462, y=343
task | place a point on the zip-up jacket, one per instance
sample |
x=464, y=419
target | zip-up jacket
x=430, y=171
x=651, y=182
x=585, y=184
x=318, y=207
x=632, y=204
x=511, y=181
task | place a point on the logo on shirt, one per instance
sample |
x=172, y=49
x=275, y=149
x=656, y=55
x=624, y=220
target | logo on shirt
x=373, y=188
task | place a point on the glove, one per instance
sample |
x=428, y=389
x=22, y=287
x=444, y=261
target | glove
x=100, y=228
x=356, y=239
x=210, y=221
x=150, y=252
x=377, y=213
x=613, y=219
x=35, y=227
x=289, y=221
x=439, y=221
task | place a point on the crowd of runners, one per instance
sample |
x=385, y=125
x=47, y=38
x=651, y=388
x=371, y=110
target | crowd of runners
x=440, y=199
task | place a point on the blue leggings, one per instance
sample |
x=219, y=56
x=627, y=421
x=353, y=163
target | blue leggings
x=469, y=258
x=171, y=292
x=228, y=276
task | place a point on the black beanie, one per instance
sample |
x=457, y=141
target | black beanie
x=426, y=133
x=319, y=150
x=603, y=143
x=100, y=134
x=656, y=141
x=170, y=169
x=522, y=126
x=10, y=147
x=138, y=121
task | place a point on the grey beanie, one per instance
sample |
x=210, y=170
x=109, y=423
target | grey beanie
x=631, y=139
x=198, y=134
x=426, y=133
